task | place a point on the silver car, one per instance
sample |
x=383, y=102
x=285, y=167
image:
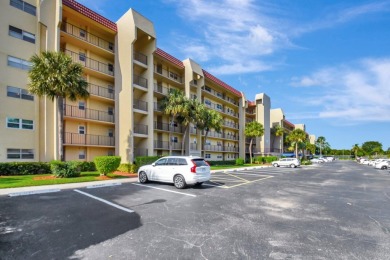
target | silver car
x=179, y=170
x=289, y=162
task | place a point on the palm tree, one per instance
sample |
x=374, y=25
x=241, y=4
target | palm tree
x=208, y=119
x=297, y=136
x=276, y=131
x=173, y=105
x=322, y=144
x=55, y=75
x=187, y=116
x=355, y=149
x=253, y=129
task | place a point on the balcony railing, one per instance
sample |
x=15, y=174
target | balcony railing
x=86, y=113
x=193, y=146
x=160, y=89
x=158, y=106
x=221, y=109
x=230, y=149
x=140, y=81
x=140, y=151
x=140, y=105
x=91, y=63
x=86, y=36
x=167, y=127
x=231, y=137
x=215, y=148
x=219, y=95
x=230, y=124
x=86, y=139
x=214, y=134
x=165, y=145
x=138, y=56
x=140, y=129
x=101, y=91
x=168, y=74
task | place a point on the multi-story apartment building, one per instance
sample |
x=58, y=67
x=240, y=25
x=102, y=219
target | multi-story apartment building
x=128, y=77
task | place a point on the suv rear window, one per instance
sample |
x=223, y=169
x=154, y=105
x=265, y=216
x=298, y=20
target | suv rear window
x=200, y=162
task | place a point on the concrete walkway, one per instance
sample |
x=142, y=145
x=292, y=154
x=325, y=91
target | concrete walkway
x=57, y=187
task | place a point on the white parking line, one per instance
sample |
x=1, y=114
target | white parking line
x=105, y=201
x=213, y=185
x=142, y=185
x=24, y=193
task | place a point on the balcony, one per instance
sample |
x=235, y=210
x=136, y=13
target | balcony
x=87, y=37
x=140, y=129
x=214, y=134
x=92, y=64
x=221, y=109
x=230, y=149
x=101, y=91
x=213, y=148
x=140, y=81
x=140, y=57
x=140, y=151
x=168, y=74
x=88, y=140
x=230, y=124
x=140, y=105
x=219, y=95
x=165, y=145
x=158, y=106
x=166, y=127
x=230, y=136
x=161, y=90
x=86, y=113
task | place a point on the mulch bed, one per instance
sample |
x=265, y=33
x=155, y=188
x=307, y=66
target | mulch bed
x=52, y=177
x=130, y=175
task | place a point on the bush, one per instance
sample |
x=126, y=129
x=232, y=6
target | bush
x=306, y=162
x=65, y=169
x=240, y=161
x=86, y=166
x=128, y=167
x=219, y=163
x=24, y=168
x=107, y=164
x=144, y=160
x=270, y=159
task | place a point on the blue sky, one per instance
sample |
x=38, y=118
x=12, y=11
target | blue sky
x=326, y=63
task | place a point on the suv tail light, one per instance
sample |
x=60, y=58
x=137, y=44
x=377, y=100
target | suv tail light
x=207, y=163
x=193, y=168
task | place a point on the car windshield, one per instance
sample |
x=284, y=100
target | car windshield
x=200, y=162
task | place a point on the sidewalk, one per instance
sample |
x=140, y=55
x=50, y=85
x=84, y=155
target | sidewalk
x=57, y=187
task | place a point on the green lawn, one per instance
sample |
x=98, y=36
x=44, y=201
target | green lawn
x=44, y=179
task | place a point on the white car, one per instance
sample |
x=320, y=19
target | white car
x=316, y=160
x=290, y=162
x=383, y=165
x=179, y=170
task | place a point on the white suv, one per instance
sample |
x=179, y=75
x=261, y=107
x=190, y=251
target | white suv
x=383, y=165
x=290, y=162
x=179, y=170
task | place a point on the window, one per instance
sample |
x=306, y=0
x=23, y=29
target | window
x=161, y=162
x=172, y=161
x=159, y=68
x=111, y=132
x=207, y=88
x=82, y=154
x=174, y=139
x=20, y=34
x=111, y=46
x=181, y=161
x=219, y=94
x=13, y=153
x=110, y=68
x=24, y=6
x=110, y=89
x=207, y=155
x=110, y=111
x=207, y=102
x=83, y=33
x=173, y=75
x=19, y=93
x=18, y=63
x=219, y=106
x=82, y=56
x=81, y=129
x=81, y=105
x=219, y=156
x=20, y=123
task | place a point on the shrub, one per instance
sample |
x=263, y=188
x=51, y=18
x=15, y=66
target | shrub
x=128, y=167
x=306, y=162
x=219, y=163
x=107, y=164
x=144, y=160
x=87, y=166
x=65, y=169
x=270, y=159
x=239, y=161
x=24, y=168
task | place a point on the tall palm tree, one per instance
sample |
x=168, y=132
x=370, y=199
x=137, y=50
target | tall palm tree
x=55, y=75
x=297, y=136
x=253, y=129
x=355, y=149
x=276, y=131
x=322, y=144
x=208, y=119
x=173, y=105
x=187, y=116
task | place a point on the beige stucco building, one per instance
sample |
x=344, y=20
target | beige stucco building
x=128, y=76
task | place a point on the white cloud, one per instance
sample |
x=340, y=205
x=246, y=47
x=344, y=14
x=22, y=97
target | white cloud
x=359, y=91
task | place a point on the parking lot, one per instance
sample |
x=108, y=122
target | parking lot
x=338, y=210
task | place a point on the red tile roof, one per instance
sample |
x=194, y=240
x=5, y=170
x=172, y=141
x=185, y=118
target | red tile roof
x=221, y=83
x=251, y=103
x=90, y=14
x=288, y=123
x=169, y=57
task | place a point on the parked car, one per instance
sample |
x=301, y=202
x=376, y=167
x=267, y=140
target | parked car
x=290, y=162
x=179, y=170
x=317, y=160
x=383, y=165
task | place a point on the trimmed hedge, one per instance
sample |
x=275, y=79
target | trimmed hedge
x=128, y=167
x=240, y=161
x=219, y=163
x=65, y=169
x=265, y=159
x=24, y=168
x=144, y=160
x=107, y=164
x=86, y=166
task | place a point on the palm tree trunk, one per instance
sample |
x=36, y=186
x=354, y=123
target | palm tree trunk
x=204, y=144
x=183, y=141
x=296, y=150
x=250, y=150
x=60, y=114
x=170, y=136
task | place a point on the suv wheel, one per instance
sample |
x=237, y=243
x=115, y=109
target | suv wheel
x=143, y=178
x=384, y=167
x=275, y=165
x=179, y=181
x=293, y=165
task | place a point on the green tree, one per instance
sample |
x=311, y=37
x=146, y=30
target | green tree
x=276, y=131
x=322, y=145
x=56, y=76
x=372, y=147
x=173, y=105
x=296, y=137
x=188, y=115
x=355, y=149
x=208, y=119
x=252, y=130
